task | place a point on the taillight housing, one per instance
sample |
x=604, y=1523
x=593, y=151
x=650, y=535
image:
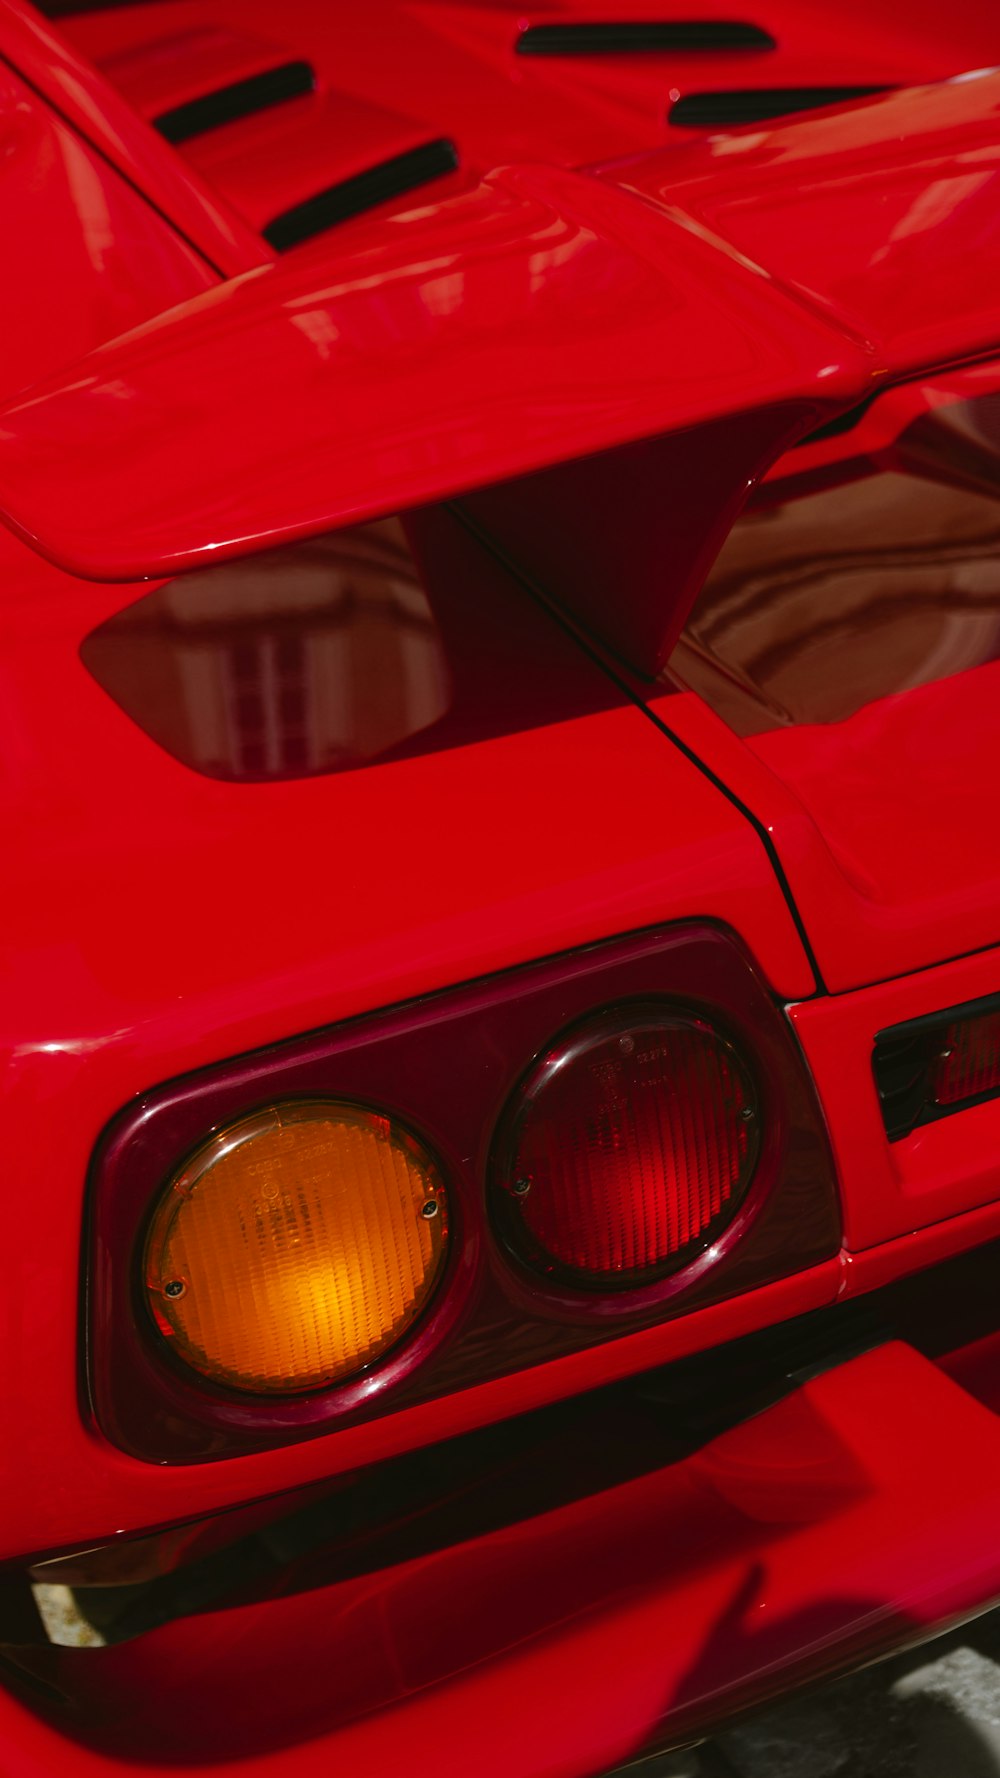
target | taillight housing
x=717, y=1177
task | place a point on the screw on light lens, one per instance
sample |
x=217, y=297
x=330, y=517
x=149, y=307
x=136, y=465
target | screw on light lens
x=627, y=1149
x=296, y=1247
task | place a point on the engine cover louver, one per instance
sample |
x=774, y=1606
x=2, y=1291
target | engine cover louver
x=700, y=111
x=642, y=37
x=350, y=197
x=243, y=98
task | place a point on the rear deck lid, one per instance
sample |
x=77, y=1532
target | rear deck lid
x=847, y=644
x=602, y=368
x=847, y=640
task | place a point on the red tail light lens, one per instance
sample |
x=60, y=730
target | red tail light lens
x=969, y=1060
x=628, y=1149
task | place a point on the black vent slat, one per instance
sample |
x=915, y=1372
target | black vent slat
x=645, y=37
x=243, y=98
x=700, y=111
x=350, y=197
x=62, y=9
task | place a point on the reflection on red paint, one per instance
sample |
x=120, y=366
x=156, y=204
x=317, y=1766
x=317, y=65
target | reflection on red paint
x=309, y=659
x=884, y=577
x=850, y=634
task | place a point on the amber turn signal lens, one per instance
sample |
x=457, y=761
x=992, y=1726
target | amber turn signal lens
x=628, y=1149
x=296, y=1247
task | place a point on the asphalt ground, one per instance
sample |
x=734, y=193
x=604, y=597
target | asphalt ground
x=931, y=1713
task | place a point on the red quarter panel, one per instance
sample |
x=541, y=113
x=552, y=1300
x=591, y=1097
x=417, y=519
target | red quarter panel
x=156, y=919
x=93, y=258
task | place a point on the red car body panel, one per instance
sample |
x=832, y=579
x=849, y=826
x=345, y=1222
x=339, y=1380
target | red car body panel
x=876, y=815
x=560, y=338
x=97, y=267
x=531, y=243
x=557, y=347
x=800, y=1528
x=835, y=208
x=883, y=885
x=881, y=896
x=280, y=907
x=938, y=1170
x=75, y=91
x=453, y=68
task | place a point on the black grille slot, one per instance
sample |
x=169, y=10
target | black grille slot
x=390, y=179
x=259, y=92
x=702, y=111
x=62, y=9
x=900, y=1062
x=641, y=38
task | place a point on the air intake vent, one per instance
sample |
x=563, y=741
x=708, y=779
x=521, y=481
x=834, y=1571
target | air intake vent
x=702, y=111
x=937, y=1065
x=259, y=92
x=642, y=38
x=350, y=197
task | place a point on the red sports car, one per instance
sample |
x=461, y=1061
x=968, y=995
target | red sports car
x=500, y=991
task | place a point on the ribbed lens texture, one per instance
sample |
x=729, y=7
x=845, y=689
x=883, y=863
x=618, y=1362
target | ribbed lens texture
x=634, y=1147
x=969, y=1062
x=296, y=1247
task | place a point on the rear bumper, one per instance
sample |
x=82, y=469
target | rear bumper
x=858, y=1512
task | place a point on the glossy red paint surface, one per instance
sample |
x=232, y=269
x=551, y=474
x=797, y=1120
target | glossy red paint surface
x=304, y=447
x=870, y=218
x=384, y=378
x=862, y=592
x=336, y=137
x=815, y=1533
x=872, y=1267
x=74, y=90
x=856, y=578
x=399, y=74
x=868, y=214
x=941, y=1168
x=158, y=920
x=454, y=68
x=100, y=261
x=321, y=657
x=158, y=66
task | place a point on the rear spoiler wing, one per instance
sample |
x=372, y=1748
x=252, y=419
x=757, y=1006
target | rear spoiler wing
x=583, y=358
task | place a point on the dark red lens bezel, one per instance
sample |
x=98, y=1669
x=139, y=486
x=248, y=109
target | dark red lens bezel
x=445, y=1067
